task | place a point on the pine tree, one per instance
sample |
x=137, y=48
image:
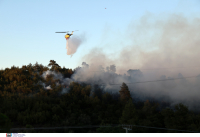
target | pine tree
x=129, y=115
x=124, y=93
x=54, y=65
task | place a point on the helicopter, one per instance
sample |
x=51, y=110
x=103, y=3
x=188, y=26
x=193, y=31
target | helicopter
x=67, y=36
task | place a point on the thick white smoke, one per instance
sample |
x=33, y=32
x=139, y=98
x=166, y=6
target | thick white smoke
x=58, y=76
x=161, y=49
x=73, y=44
x=55, y=75
x=174, y=91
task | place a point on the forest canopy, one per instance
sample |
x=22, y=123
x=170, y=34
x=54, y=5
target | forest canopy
x=46, y=96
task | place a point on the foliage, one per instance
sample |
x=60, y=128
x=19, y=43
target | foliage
x=124, y=93
x=25, y=102
x=129, y=114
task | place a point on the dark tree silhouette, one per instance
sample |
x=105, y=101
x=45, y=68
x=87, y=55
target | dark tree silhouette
x=53, y=65
x=124, y=93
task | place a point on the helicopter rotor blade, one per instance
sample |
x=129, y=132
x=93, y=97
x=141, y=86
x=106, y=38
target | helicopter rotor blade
x=61, y=32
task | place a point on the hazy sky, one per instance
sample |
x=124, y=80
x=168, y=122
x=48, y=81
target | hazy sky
x=27, y=28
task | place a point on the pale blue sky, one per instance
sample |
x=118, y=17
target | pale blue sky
x=27, y=28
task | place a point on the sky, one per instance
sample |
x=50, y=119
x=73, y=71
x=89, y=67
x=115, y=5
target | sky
x=27, y=28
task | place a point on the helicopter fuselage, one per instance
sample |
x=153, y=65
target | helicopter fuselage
x=67, y=36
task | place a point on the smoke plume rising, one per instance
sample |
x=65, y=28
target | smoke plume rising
x=161, y=49
x=164, y=49
x=168, y=43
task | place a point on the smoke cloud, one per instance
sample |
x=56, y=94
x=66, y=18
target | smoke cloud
x=56, y=76
x=161, y=49
x=158, y=49
x=169, y=43
x=73, y=44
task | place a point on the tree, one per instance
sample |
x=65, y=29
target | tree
x=84, y=119
x=181, y=116
x=113, y=68
x=85, y=65
x=149, y=116
x=53, y=65
x=178, y=119
x=36, y=67
x=97, y=91
x=106, y=98
x=135, y=73
x=129, y=115
x=124, y=93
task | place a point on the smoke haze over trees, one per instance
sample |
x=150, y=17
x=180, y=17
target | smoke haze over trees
x=40, y=96
x=161, y=48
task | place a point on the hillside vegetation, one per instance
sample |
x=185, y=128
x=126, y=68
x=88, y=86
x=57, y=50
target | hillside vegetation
x=26, y=103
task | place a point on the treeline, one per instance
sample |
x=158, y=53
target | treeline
x=24, y=103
